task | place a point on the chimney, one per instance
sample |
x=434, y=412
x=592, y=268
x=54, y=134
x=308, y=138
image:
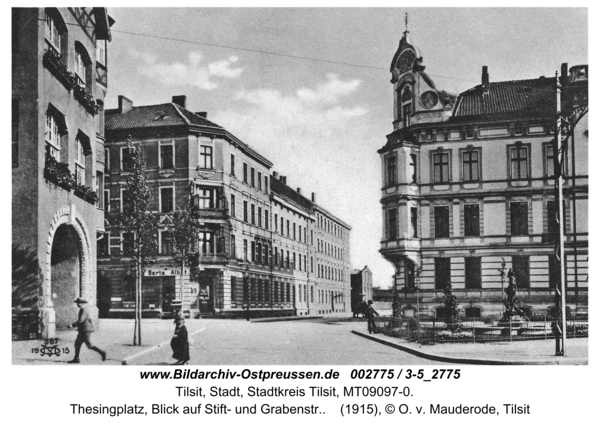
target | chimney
x=179, y=100
x=313, y=197
x=485, y=77
x=202, y=114
x=284, y=179
x=124, y=104
x=275, y=174
x=299, y=191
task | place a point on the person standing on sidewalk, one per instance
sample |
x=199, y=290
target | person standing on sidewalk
x=85, y=327
x=179, y=343
x=371, y=313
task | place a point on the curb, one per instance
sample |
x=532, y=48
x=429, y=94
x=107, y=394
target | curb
x=284, y=319
x=156, y=347
x=462, y=360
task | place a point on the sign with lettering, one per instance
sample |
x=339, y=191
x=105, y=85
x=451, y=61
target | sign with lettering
x=166, y=272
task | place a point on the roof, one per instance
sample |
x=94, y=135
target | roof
x=508, y=99
x=161, y=115
x=285, y=191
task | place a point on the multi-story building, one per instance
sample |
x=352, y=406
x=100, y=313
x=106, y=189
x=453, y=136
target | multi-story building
x=468, y=184
x=59, y=82
x=361, y=282
x=253, y=244
x=332, y=262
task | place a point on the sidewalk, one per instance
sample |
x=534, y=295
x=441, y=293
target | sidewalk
x=537, y=352
x=115, y=336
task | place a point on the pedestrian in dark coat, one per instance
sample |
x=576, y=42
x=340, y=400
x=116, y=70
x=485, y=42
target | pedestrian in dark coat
x=179, y=343
x=371, y=313
x=85, y=327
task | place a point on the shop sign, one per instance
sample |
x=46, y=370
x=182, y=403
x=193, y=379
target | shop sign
x=166, y=272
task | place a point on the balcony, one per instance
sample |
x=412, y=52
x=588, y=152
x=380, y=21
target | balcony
x=212, y=259
x=210, y=213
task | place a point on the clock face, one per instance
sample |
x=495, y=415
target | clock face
x=405, y=62
x=429, y=99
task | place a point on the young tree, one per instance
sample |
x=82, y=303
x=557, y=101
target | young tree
x=141, y=226
x=185, y=227
x=451, y=307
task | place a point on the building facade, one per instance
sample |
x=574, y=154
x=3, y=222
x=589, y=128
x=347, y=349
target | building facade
x=468, y=185
x=361, y=282
x=253, y=245
x=59, y=82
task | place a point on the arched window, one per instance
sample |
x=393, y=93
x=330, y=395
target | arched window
x=405, y=104
x=83, y=159
x=56, y=131
x=82, y=66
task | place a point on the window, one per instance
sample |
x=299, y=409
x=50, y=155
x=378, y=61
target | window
x=266, y=184
x=82, y=66
x=266, y=219
x=469, y=133
x=79, y=163
x=521, y=271
x=473, y=272
x=392, y=173
x=472, y=312
x=259, y=180
x=414, y=216
x=294, y=231
x=206, y=157
x=99, y=188
x=275, y=256
x=252, y=214
x=205, y=199
x=166, y=199
x=101, y=52
x=287, y=259
x=166, y=157
x=441, y=171
x=294, y=260
x=245, y=176
x=442, y=272
x=392, y=226
x=232, y=206
x=127, y=242
x=259, y=257
x=107, y=159
x=166, y=242
x=288, y=228
x=442, y=222
x=233, y=253
x=53, y=31
x=206, y=243
x=519, y=162
x=103, y=245
x=275, y=222
x=552, y=217
x=412, y=168
x=519, y=220
x=406, y=111
x=470, y=166
x=232, y=164
x=550, y=169
x=125, y=158
x=52, y=135
x=259, y=216
x=233, y=288
x=245, y=249
x=471, y=212
x=106, y=200
x=246, y=211
x=252, y=181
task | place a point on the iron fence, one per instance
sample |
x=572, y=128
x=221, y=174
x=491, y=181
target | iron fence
x=432, y=331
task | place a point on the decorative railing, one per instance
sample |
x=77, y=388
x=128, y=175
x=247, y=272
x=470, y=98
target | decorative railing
x=60, y=174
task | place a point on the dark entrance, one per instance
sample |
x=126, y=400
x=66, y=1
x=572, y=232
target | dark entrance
x=65, y=275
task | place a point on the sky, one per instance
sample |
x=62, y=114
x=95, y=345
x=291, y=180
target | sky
x=310, y=88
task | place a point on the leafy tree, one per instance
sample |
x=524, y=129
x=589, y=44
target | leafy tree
x=141, y=224
x=451, y=307
x=185, y=227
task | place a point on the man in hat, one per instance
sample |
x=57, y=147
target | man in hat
x=85, y=327
x=371, y=313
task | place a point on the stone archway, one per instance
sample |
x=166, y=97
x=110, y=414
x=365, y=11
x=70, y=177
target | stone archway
x=67, y=273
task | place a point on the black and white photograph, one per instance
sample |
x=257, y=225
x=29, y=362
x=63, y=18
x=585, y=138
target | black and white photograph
x=379, y=193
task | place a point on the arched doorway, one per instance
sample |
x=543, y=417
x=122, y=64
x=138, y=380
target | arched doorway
x=66, y=274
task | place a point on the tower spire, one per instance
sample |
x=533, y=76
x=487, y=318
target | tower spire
x=406, y=22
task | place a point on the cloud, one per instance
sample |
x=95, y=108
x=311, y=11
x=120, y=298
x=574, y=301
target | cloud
x=330, y=91
x=194, y=72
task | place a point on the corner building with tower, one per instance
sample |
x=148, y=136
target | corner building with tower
x=469, y=183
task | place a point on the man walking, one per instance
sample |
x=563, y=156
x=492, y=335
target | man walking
x=85, y=327
x=371, y=313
